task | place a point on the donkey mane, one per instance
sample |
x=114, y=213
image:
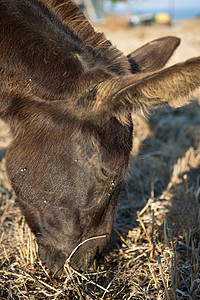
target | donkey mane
x=73, y=18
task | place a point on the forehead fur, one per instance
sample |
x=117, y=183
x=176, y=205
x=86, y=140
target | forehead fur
x=73, y=18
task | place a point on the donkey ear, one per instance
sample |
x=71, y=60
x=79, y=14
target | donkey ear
x=171, y=86
x=154, y=55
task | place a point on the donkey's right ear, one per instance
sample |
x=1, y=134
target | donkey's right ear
x=154, y=55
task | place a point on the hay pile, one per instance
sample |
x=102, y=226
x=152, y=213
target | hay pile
x=155, y=245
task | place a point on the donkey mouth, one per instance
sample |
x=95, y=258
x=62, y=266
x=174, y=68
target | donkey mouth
x=85, y=262
x=85, y=255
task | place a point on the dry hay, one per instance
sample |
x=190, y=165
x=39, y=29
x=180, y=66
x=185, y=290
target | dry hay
x=155, y=245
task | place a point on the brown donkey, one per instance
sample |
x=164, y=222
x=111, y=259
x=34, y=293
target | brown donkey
x=68, y=94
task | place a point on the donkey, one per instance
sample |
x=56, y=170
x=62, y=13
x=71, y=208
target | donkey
x=68, y=95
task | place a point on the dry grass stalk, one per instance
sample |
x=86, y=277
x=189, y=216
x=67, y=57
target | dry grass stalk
x=152, y=245
x=163, y=277
x=153, y=275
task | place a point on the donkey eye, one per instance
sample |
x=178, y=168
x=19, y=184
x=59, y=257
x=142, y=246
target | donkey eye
x=105, y=173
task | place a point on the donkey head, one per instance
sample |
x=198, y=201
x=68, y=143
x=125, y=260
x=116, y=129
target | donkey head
x=69, y=104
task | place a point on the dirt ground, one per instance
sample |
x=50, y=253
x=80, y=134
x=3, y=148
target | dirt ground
x=155, y=245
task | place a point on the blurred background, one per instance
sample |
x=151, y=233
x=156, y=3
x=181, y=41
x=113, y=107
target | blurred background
x=140, y=12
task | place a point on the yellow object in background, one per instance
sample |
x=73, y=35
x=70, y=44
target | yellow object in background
x=162, y=19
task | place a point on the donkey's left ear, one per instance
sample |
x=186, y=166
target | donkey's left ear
x=154, y=55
